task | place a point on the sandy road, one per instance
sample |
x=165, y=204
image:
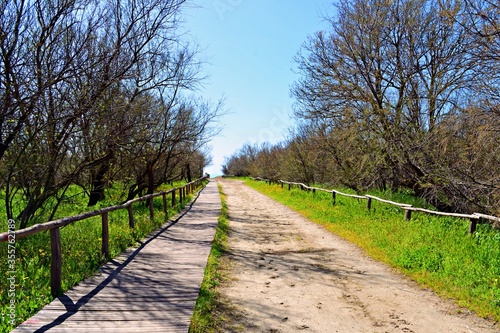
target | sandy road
x=288, y=274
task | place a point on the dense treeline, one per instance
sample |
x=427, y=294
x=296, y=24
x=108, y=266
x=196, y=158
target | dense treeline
x=95, y=92
x=396, y=94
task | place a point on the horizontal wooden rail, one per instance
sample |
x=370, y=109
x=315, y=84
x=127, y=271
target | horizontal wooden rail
x=350, y=195
x=474, y=218
x=388, y=201
x=56, y=225
x=488, y=217
x=464, y=216
x=71, y=219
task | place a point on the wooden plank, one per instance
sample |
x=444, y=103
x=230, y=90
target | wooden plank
x=152, y=288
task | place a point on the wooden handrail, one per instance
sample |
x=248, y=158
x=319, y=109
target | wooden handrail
x=474, y=218
x=488, y=217
x=464, y=216
x=388, y=201
x=71, y=219
x=56, y=225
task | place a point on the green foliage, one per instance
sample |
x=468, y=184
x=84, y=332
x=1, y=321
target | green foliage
x=205, y=319
x=81, y=253
x=438, y=252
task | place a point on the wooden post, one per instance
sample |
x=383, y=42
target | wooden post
x=56, y=262
x=314, y=191
x=105, y=235
x=472, y=226
x=281, y=184
x=288, y=187
x=407, y=214
x=131, y=222
x=333, y=198
x=165, y=208
x=173, y=198
x=151, y=208
x=369, y=204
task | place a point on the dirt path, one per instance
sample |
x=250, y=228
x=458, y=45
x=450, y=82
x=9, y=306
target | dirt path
x=290, y=275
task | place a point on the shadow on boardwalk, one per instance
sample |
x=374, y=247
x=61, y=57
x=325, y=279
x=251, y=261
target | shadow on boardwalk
x=151, y=288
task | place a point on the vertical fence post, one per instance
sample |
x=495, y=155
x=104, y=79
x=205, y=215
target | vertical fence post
x=56, y=262
x=369, y=204
x=288, y=187
x=282, y=184
x=173, y=198
x=472, y=226
x=151, y=208
x=333, y=197
x=407, y=214
x=105, y=235
x=131, y=222
x=165, y=208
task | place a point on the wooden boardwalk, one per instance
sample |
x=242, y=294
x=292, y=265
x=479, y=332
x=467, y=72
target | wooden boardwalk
x=152, y=288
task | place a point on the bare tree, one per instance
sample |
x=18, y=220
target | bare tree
x=388, y=73
x=80, y=85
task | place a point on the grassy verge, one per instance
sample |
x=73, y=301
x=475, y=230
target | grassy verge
x=206, y=318
x=437, y=252
x=81, y=253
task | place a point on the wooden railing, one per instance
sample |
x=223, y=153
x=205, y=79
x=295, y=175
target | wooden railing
x=54, y=226
x=408, y=209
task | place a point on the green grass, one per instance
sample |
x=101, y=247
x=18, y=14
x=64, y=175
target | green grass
x=437, y=252
x=81, y=253
x=206, y=318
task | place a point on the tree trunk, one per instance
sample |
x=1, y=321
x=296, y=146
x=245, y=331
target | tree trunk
x=98, y=185
x=188, y=173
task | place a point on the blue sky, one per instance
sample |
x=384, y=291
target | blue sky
x=249, y=47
